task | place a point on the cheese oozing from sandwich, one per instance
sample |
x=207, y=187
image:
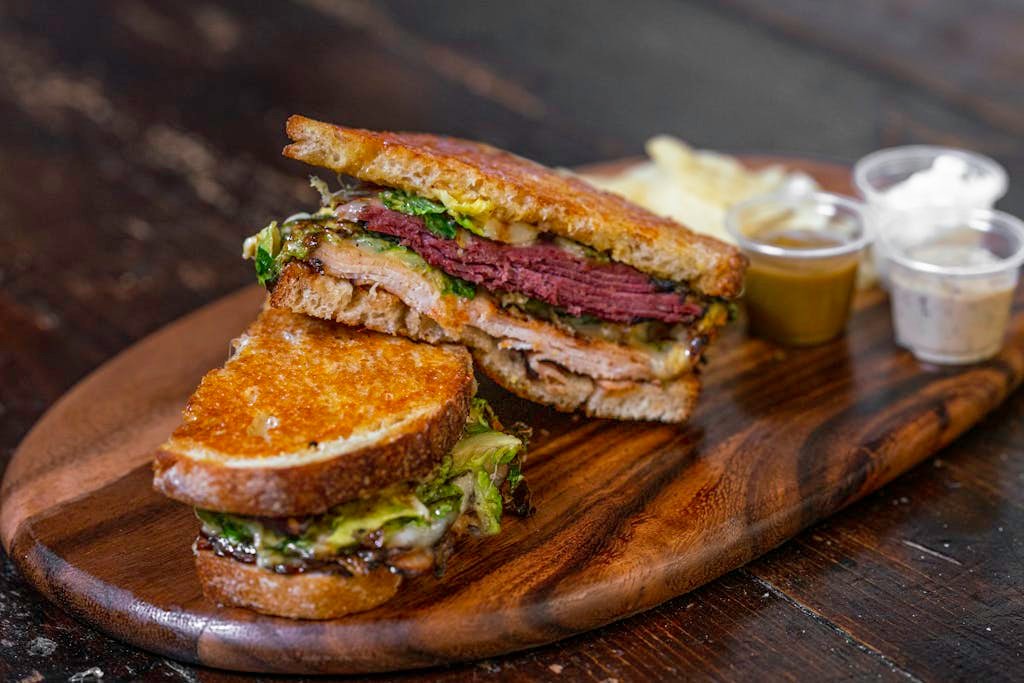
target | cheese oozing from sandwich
x=408, y=527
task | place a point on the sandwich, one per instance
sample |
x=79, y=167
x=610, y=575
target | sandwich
x=565, y=295
x=327, y=464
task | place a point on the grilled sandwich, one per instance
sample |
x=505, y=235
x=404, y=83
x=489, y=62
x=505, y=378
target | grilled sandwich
x=326, y=464
x=565, y=295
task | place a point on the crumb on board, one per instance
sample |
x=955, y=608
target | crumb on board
x=41, y=647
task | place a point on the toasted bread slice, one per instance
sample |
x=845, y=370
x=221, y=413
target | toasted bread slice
x=523, y=373
x=307, y=414
x=313, y=595
x=514, y=189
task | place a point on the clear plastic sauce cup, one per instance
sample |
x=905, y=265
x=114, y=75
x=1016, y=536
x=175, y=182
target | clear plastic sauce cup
x=804, y=252
x=922, y=183
x=952, y=289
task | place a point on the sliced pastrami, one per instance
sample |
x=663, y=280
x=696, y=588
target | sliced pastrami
x=544, y=271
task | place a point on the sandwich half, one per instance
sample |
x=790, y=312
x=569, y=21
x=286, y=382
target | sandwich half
x=326, y=464
x=565, y=295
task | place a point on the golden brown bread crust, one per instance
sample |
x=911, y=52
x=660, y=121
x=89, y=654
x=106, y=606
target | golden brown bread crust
x=309, y=489
x=520, y=190
x=308, y=414
x=297, y=596
x=314, y=380
x=324, y=296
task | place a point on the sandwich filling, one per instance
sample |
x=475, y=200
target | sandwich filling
x=408, y=527
x=467, y=253
x=546, y=270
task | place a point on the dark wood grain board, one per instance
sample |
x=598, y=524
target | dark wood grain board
x=629, y=514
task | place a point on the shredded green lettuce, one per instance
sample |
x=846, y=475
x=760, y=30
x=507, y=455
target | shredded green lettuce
x=268, y=245
x=439, y=220
x=515, y=475
x=480, y=453
x=481, y=416
x=328, y=199
x=459, y=287
x=410, y=204
x=487, y=503
x=439, y=494
x=232, y=527
x=277, y=244
x=466, y=222
x=441, y=225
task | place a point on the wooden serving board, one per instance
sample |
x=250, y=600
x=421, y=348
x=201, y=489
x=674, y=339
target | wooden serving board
x=628, y=514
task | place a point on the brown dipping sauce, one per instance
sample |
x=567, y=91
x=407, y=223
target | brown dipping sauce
x=799, y=301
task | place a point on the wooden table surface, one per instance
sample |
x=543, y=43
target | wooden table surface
x=140, y=143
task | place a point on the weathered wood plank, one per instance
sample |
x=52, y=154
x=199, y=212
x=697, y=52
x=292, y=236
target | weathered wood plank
x=724, y=631
x=929, y=569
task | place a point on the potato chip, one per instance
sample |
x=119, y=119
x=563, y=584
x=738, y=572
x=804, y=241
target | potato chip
x=696, y=187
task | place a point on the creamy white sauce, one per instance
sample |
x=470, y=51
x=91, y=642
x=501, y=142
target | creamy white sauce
x=923, y=203
x=948, y=181
x=951, y=319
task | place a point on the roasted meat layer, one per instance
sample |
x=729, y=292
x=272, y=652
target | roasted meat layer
x=544, y=271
